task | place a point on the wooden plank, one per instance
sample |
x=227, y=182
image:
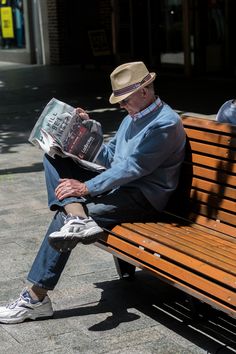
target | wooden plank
x=215, y=239
x=213, y=150
x=212, y=162
x=216, y=225
x=220, y=177
x=209, y=137
x=180, y=243
x=194, y=237
x=214, y=214
x=186, y=216
x=213, y=200
x=216, y=303
x=208, y=125
x=214, y=231
x=190, y=278
x=204, y=185
x=167, y=239
x=180, y=221
x=169, y=254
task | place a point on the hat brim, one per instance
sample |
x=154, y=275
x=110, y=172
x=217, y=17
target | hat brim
x=116, y=99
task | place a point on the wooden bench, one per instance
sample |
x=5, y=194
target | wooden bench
x=192, y=245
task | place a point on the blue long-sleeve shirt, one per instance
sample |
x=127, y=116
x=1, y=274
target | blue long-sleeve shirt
x=145, y=153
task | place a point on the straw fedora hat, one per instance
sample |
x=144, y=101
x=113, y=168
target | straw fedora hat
x=129, y=78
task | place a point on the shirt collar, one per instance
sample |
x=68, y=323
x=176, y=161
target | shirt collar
x=153, y=107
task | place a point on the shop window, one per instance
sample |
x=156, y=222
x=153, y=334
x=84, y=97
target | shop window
x=12, y=29
x=171, y=32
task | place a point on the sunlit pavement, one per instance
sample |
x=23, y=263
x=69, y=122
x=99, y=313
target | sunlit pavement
x=95, y=312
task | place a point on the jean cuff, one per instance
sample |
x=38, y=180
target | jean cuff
x=57, y=204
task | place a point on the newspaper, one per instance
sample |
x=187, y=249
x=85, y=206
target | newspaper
x=60, y=131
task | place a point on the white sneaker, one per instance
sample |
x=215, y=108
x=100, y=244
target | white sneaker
x=75, y=230
x=25, y=308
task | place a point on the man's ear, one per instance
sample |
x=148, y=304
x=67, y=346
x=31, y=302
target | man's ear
x=144, y=92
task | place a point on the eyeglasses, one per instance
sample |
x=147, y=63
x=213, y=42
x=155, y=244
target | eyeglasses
x=124, y=102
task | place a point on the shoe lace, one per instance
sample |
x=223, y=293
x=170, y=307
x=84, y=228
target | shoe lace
x=14, y=303
x=70, y=217
x=23, y=296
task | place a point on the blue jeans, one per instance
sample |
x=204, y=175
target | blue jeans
x=120, y=205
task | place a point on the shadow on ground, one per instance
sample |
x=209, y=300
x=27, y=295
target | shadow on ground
x=215, y=333
x=36, y=167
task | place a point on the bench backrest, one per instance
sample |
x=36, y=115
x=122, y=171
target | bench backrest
x=207, y=190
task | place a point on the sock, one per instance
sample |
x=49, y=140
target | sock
x=36, y=293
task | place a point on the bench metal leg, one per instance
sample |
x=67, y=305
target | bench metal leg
x=124, y=269
x=200, y=310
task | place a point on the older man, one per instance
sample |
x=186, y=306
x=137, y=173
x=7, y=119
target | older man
x=142, y=166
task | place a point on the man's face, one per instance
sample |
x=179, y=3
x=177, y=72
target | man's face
x=135, y=102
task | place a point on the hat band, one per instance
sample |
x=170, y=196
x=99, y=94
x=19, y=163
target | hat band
x=132, y=87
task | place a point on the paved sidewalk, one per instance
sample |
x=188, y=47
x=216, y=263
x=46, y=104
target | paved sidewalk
x=95, y=312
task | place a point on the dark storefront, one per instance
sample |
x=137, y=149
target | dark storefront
x=191, y=37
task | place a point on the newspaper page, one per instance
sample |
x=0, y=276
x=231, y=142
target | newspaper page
x=54, y=119
x=60, y=131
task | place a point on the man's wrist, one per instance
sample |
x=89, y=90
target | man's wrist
x=85, y=189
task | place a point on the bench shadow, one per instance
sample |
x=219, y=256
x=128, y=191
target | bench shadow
x=170, y=307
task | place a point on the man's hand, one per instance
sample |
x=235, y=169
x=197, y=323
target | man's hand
x=70, y=188
x=82, y=113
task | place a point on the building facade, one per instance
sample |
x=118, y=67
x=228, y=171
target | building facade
x=193, y=37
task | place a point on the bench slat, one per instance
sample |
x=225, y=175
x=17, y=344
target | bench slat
x=220, y=152
x=208, y=125
x=180, y=274
x=217, y=215
x=207, y=226
x=200, y=184
x=199, y=234
x=203, y=226
x=215, y=175
x=210, y=137
x=157, y=232
x=213, y=162
x=214, y=200
x=216, y=225
x=164, y=250
x=168, y=278
x=192, y=238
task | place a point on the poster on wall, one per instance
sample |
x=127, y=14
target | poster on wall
x=7, y=22
x=99, y=43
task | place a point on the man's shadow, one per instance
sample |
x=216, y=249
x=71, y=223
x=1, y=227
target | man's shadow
x=162, y=303
x=116, y=298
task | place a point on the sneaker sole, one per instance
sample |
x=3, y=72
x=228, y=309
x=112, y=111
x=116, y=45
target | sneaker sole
x=91, y=238
x=26, y=318
x=69, y=242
